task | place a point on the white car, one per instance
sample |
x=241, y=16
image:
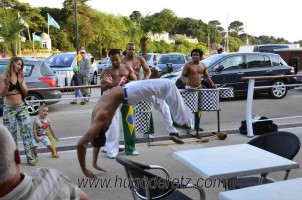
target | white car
x=63, y=63
x=153, y=59
x=106, y=62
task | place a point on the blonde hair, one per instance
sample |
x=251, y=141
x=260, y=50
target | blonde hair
x=8, y=167
x=10, y=66
x=42, y=106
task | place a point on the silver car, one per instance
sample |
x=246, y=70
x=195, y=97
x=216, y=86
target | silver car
x=37, y=75
x=171, y=62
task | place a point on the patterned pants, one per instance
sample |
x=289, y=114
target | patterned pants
x=13, y=115
x=129, y=129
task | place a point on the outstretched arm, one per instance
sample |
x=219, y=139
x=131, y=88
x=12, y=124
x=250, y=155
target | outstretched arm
x=82, y=147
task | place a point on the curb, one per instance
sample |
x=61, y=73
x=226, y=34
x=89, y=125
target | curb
x=163, y=138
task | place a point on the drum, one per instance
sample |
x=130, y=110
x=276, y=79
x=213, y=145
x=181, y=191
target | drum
x=142, y=122
x=142, y=117
x=143, y=107
x=190, y=98
x=208, y=100
x=226, y=93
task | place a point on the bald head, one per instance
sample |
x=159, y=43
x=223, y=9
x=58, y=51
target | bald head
x=8, y=165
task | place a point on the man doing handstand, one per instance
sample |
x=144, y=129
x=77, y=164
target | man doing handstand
x=132, y=93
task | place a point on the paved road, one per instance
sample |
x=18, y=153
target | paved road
x=73, y=120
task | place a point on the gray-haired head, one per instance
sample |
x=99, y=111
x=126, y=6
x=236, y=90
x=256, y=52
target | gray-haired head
x=8, y=167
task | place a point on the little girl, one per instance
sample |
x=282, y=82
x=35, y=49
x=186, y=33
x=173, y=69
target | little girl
x=40, y=127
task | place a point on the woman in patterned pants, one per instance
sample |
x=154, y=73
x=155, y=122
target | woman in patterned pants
x=13, y=88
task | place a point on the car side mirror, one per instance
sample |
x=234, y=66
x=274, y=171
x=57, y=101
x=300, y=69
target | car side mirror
x=92, y=60
x=219, y=69
x=155, y=63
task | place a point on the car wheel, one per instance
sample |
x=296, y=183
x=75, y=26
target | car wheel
x=94, y=79
x=33, y=103
x=278, y=92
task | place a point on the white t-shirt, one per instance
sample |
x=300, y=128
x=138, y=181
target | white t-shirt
x=44, y=183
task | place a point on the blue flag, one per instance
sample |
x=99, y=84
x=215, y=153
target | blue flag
x=52, y=22
x=37, y=38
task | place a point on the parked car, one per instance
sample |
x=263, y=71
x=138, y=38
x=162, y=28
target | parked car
x=37, y=75
x=152, y=59
x=269, y=48
x=171, y=62
x=63, y=63
x=228, y=69
x=106, y=62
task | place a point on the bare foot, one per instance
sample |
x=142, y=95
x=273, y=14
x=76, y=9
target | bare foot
x=99, y=168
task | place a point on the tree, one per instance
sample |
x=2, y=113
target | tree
x=142, y=26
x=10, y=29
x=214, y=23
x=235, y=27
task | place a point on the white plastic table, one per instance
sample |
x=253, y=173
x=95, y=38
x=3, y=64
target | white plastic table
x=289, y=190
x=230, y=162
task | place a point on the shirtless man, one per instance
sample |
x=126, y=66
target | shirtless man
x=110, y=78
x=132, y=93
x=191, y=77
x=136, y=62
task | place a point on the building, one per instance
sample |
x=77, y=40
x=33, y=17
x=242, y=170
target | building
x=163, y=36
x=46, y=41
x=184, y=37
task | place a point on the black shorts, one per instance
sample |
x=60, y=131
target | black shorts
x=100, y=140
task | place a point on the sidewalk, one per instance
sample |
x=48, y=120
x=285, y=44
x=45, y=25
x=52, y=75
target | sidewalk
x=156, y=155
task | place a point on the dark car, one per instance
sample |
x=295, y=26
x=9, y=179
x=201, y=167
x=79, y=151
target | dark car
x=228, y=69
x=37, y=75
x=171, y=62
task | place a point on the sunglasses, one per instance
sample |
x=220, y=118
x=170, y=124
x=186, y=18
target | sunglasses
x=82, y=52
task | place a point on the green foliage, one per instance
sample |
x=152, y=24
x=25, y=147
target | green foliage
x=10, y=29
x=99, y=31
x=234, y=43
x=235, y=27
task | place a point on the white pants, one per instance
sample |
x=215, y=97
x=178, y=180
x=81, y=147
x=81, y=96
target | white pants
x=113, y=134
x=152, y=89
x=162, y=106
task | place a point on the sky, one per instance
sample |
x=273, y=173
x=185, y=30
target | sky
x=260, y=17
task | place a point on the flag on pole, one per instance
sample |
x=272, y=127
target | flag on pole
x=37, y=38
x=21, y=20
x=52, y=22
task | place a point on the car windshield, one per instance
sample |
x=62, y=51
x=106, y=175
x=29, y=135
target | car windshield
x=61, y=60
x=174, y=59
x=212, y=59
